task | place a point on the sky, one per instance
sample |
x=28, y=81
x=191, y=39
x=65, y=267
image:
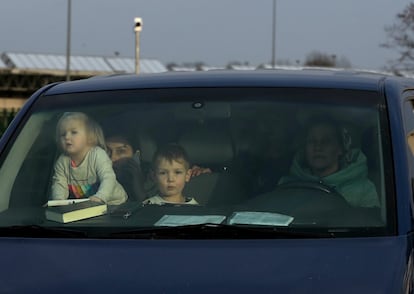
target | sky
x=214, y=32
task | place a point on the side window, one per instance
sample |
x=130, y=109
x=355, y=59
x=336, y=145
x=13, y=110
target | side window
x=410, y=141
x=409, y=127
x=409, y=132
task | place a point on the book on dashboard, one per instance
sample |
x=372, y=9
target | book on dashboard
x=76, y=211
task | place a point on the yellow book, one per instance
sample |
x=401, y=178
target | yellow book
x=74, y=212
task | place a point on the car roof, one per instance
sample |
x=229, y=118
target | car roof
x=314, y=78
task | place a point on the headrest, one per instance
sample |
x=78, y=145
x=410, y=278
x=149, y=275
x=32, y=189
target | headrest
x=147, y=146
x=208, y=146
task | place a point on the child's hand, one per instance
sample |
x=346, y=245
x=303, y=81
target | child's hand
x=197, y=170
x=96, y=199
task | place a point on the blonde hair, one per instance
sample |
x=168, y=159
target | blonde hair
x=93, y=129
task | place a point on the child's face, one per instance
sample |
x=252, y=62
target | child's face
x=171, y=177
x=74, y=138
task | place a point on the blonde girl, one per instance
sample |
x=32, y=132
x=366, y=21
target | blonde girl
x=84, y=170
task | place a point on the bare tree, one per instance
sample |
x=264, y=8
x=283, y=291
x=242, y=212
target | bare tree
x=170, y=66
x=317, y=58
x=400, y=37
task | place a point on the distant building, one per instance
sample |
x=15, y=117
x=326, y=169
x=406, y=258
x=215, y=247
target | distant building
x=84, y=65
x=23, y=73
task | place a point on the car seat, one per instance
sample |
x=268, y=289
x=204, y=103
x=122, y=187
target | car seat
x=210, y=146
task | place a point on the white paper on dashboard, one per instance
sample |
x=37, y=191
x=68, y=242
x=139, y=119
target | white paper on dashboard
x=259, y=218
x=185, y=220
x=61, y=202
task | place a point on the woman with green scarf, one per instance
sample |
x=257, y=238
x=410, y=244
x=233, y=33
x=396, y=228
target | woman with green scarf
x=328, y=159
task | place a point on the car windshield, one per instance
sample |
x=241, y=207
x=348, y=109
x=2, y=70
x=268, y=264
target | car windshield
x=298, y=160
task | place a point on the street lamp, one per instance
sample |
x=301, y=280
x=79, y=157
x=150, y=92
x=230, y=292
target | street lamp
x=274, y=35
x=137, y=29
x=68, y=41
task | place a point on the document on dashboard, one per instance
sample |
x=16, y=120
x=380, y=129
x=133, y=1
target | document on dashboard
x=185, y=220
x=259, y=218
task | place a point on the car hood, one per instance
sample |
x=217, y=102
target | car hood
x=361, y=265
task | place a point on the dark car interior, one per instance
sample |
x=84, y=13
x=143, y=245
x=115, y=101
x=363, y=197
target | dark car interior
x=248, y=145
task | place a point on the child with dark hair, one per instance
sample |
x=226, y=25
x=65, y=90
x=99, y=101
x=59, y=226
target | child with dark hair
x=133, y=175
x=171, y=170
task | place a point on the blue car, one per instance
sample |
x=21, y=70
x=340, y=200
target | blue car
x=211, y=182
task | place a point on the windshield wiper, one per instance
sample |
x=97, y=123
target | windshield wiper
x=218, y=231
x=34, y=231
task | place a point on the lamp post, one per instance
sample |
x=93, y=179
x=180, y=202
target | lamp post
x=137, y=29
x=274, y=35
x=68, y=41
